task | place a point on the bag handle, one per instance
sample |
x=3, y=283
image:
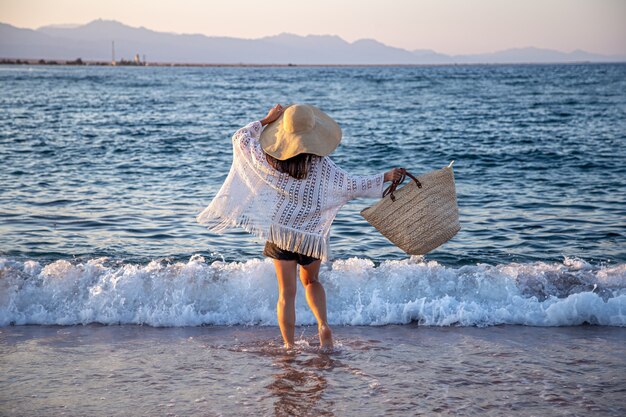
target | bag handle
x=394, y=184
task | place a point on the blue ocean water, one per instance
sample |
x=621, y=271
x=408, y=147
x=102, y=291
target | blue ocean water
x=103, y=169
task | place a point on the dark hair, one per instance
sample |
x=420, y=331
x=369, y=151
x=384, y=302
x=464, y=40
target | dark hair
x=296, y=166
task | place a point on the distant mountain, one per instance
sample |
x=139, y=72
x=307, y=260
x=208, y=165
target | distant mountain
x=428, y=56
x=521, y=55
x=92, y=42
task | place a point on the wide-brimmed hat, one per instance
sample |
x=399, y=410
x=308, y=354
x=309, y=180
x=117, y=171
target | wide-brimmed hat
x=302, y=128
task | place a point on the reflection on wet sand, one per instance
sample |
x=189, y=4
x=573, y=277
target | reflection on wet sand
x=304, y=381
x=299, y=385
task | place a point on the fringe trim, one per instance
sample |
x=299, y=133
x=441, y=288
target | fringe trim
x=309, y=244
x=286, y=238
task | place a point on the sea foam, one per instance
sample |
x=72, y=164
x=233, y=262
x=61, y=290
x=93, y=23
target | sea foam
x=359, y=293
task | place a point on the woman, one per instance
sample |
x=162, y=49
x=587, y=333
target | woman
x=283, y=187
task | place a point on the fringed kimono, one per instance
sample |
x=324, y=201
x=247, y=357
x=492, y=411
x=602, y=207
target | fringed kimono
x=293, y=214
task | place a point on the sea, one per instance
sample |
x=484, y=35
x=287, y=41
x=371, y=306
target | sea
x=114, y=301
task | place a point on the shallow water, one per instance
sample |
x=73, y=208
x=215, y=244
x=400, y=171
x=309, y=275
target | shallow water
x=102, y=171
x=390, y=370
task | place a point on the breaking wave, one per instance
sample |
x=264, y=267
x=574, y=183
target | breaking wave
x=359, y=293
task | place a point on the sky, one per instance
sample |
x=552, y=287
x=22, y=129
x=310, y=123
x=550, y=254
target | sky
x=446, y=26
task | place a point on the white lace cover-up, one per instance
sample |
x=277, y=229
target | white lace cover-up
x=294, y=214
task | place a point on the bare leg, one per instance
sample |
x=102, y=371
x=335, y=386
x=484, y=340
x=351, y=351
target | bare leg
x=316, y=297
x=286, y=305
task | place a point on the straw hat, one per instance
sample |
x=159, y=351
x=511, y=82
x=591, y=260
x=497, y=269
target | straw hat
x=301, y=128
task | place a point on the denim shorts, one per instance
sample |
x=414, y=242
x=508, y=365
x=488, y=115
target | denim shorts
x=274, y=252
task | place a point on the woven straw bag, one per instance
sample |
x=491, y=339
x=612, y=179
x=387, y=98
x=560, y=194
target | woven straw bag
x=421, y=215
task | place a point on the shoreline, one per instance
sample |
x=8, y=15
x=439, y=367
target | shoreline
x=89, y=63
x=388, y=370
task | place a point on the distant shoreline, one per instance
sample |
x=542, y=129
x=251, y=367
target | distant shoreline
x=80, y=62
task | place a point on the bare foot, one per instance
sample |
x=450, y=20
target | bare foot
x=326, y=336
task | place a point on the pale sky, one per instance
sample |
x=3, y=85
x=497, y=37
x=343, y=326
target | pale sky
x=447, y=26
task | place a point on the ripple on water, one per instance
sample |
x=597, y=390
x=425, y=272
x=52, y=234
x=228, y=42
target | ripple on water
x=538, y=153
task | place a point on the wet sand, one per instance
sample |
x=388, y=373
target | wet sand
x=389, y=370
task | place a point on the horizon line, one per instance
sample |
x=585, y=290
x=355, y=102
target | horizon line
x=101, y=63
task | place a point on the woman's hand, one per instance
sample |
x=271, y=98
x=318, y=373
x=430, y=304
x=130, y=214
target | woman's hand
x=272, y=115
x=393, y=175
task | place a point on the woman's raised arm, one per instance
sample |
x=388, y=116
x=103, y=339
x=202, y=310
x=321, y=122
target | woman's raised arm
x=272, y=115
